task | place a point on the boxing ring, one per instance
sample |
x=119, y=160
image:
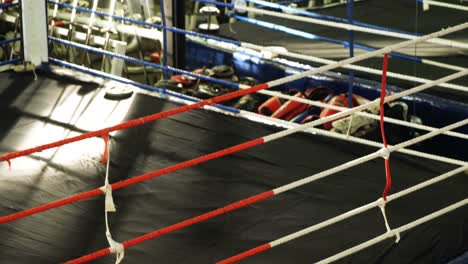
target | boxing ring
x=203, y=182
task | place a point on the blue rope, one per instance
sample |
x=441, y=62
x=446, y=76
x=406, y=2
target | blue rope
x=163, y=20
x=130, y=82
x=221, y=4
x=317, y=15
x=5, y=6
x=142, y=62
x=350, y=11
x=292, y=2
x=311, y=36
x=146, y=24
x=7, y=41
x=13, y=61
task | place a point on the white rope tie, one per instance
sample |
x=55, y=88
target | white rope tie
x=114, y=246
x=382, y=204
x=384, y=153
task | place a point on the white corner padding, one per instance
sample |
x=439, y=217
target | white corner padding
x=34, y=24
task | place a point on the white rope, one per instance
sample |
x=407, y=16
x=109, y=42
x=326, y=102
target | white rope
x=115, y=247
x=288, y=124
x=442, y=65
x=365, y=106
x=366, y=207
x=73, y=14
x=447, y=5
x=92, y=17
x=110, y=19
x=394, y=232
x=362, y=159
x=444, y=42
x=54, y=14
x=356, y=67
x=367, y=55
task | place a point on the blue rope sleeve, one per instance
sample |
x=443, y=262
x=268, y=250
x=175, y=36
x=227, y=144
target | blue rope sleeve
x=5, y=6
x=13, y=61
x=7, y=41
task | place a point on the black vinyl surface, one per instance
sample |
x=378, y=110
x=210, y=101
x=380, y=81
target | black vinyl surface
x=53, y=107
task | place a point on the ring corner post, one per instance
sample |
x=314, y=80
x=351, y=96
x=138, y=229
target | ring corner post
x=34, y=27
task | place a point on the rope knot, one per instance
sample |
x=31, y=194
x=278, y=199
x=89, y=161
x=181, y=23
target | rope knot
x=384, y=153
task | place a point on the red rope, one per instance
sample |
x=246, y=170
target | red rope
x=383, y=93
x=178, y=226
x=135, y=122
x=128, y=182
x=246, y=254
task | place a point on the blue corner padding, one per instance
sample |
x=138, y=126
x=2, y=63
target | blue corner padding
x=434, y=111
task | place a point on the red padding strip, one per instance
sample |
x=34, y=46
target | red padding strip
x=135, y=122
x=383, y=93
x=180, y=225
x=128, y=182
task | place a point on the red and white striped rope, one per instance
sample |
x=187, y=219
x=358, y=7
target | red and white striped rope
x=232, y=95
x=259, y=197
x=240, y=147
x=339, y=218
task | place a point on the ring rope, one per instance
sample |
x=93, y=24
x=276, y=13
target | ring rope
x=136, y=84
x=345, y=25
x=142, y=62
x=341, y=217
x=351, y=66
x=146, y=24
x=253, y=89
x=311, y=36
x=5, y=6
x=262, y=196
x=395, y=232
x=110, y=250
x=365, y=114
x=353, y=139
x=247, y=114
x=288, y=9
x=13, y=61
x=223, y=82
x=237, y=43
x=247, y=145
x=442, y=4
x=7, y=41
